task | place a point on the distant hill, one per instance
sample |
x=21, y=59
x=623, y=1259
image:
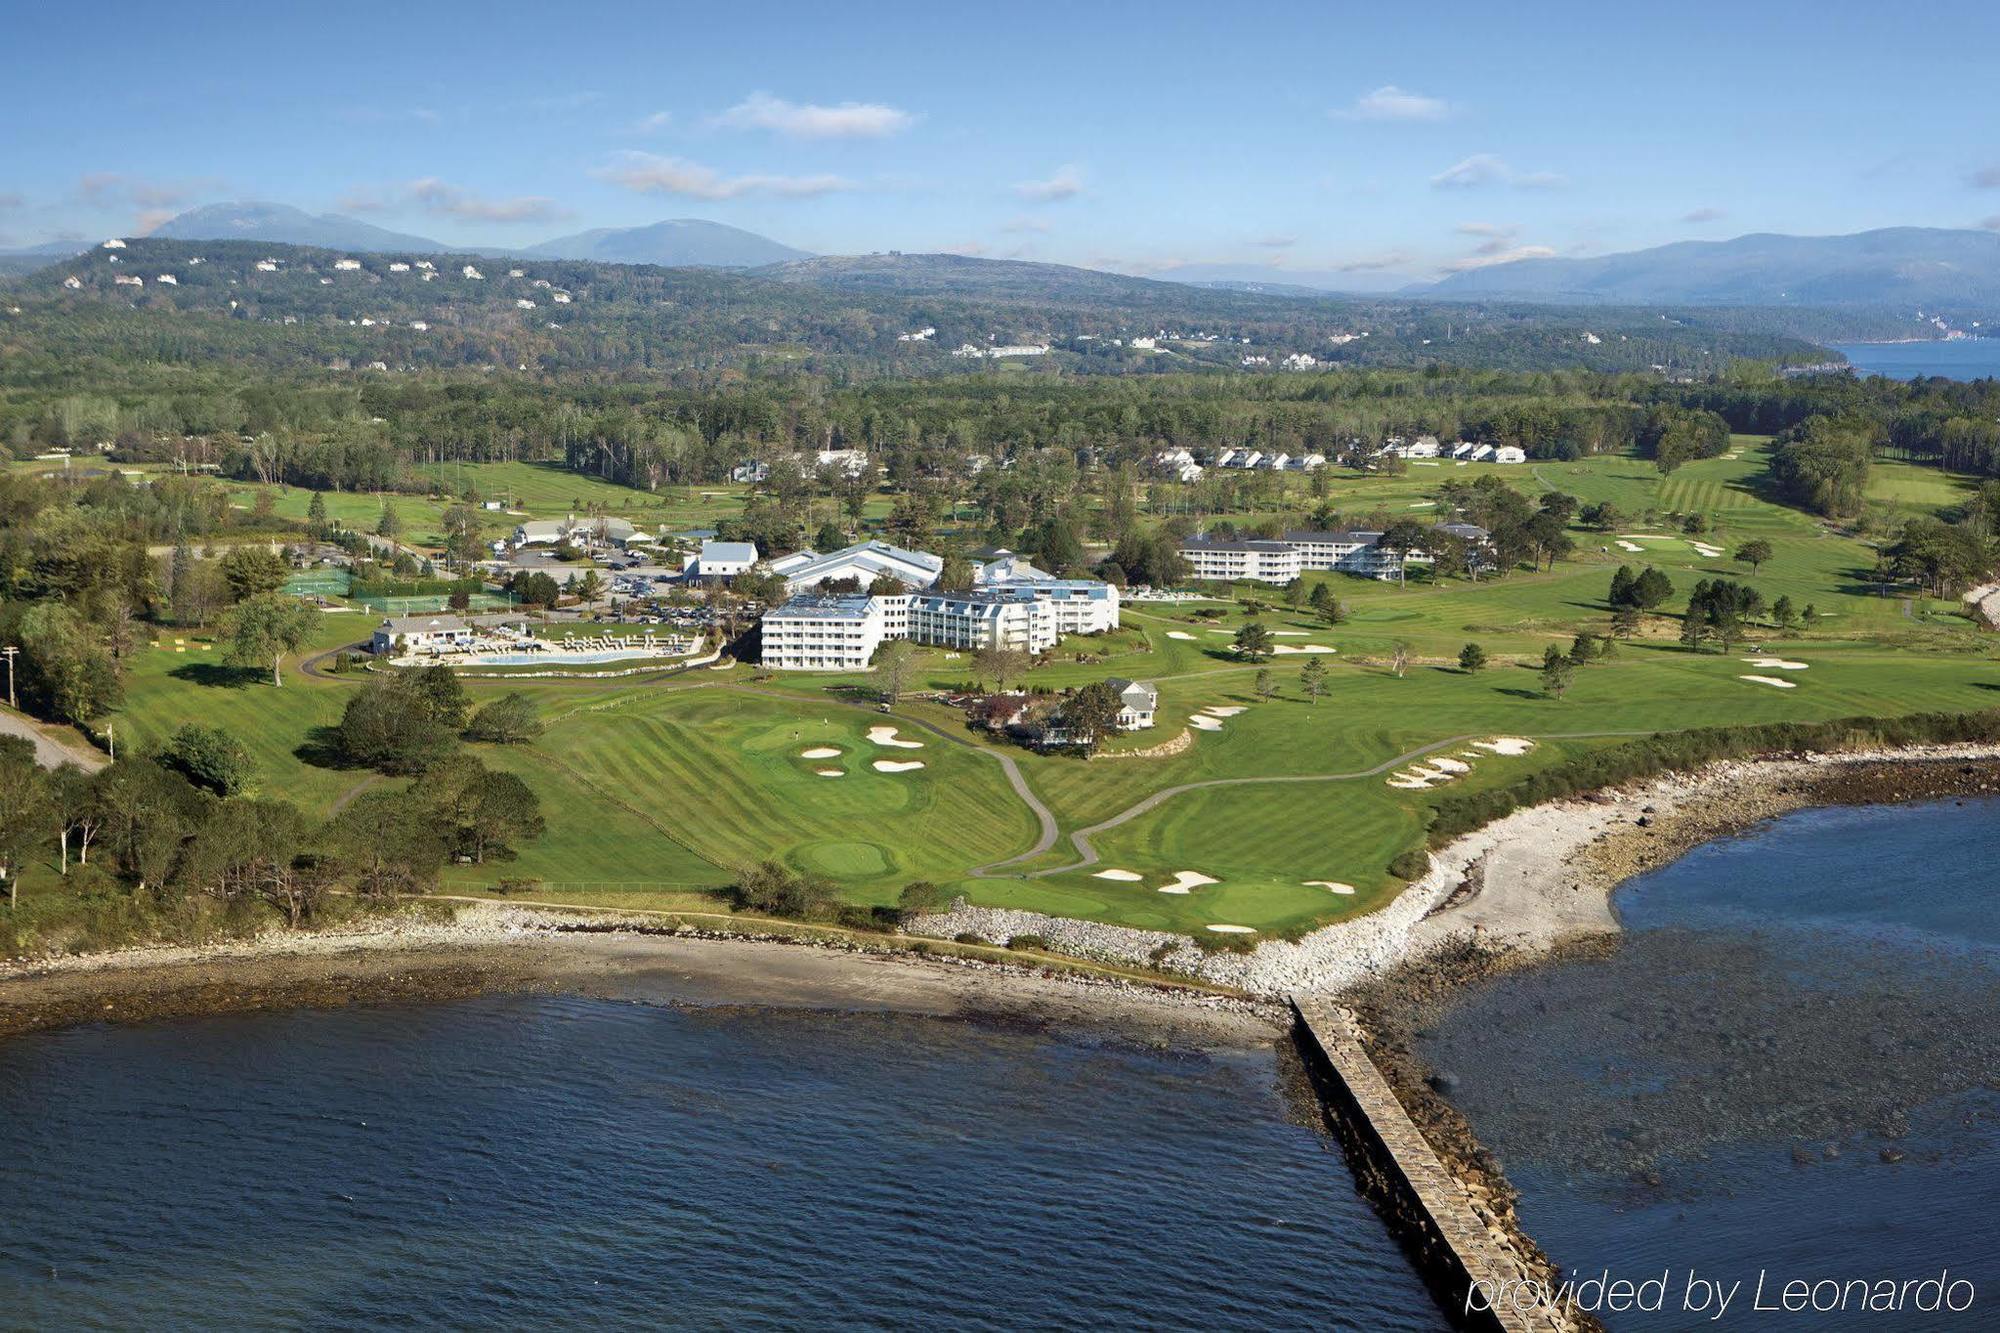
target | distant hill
x=281, y=224
x=1896, y=265
x=31, y=257
x=1267, y=278
x=675, y=243
x=943, y=275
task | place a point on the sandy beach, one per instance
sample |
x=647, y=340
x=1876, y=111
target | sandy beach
x=491, y=948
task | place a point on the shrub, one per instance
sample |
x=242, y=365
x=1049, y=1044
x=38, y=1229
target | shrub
x=1028, y=942
x=967, y=937
x=1413, y=864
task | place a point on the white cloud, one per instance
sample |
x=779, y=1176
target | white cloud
x=1485, y=229
x=1486, y=257
x=442, y=198
x=1017, y=225
x=150, y=218
x=1483, y=169
x=807, y=120
x=1704, y=215
x=649, y=173
x=654, y=123
x=1066, y=183
x=1394, y=259
x=1274, y=242
x=436, y=196
x=1392, y=103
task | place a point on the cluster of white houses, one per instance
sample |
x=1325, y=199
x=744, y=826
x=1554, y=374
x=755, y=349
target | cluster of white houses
x=1283, y=559
x=1011, y=604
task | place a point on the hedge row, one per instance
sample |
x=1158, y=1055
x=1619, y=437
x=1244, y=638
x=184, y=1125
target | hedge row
x=1682, y=751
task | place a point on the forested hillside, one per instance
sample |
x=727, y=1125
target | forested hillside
x=292, y=306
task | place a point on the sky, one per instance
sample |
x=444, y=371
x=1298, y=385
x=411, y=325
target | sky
x=1378, y=142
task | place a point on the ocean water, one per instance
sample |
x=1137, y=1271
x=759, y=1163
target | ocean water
x=1791, y=1067
x=1963, y=359
x=548, y=1162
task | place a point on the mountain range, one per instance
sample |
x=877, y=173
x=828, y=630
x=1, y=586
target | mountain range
x=1897, y=266
x=1930, y=266
x=675, y=243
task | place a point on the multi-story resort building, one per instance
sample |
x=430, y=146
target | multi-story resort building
x=1358, y=552
x=1240, y=561
x=1010, y=605
x=825, y=633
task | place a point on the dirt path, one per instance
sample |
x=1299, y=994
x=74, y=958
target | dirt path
x=52, y=748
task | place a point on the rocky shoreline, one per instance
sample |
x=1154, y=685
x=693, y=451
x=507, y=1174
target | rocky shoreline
x=1539, y=904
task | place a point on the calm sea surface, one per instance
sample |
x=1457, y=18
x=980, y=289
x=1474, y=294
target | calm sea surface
x=1965, y=359
x=552, y=1162
x=1789, y=1010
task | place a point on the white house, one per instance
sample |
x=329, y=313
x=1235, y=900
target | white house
x=420, y=635
x=420, y=326
x=267, y=266
x=721, y=560
x=169, y=279
x=847, y=462
x=560, y=298
x=73, y=282
x=523, y=303
x=750, y=470
x=1138, y=701
x=470, y=272
x=1510, y=453
x=129, y=280
x=1481, y=453
x=582, y=531
x=114, y=244
x=346, y=265
x=399, y=267
x=983, y=618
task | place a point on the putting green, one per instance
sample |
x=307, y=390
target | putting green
x=845, y=860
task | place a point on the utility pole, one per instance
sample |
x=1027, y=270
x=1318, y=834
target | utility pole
x=8, y=652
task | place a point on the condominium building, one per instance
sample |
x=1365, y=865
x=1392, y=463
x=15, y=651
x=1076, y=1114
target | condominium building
x=824, y=633
x=1082, y=606
x=1240, y=561
x=984, y=618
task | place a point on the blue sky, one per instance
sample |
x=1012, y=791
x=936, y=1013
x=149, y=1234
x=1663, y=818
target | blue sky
x=1372, y=139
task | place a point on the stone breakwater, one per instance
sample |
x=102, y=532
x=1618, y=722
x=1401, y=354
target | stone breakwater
x=1527, y=882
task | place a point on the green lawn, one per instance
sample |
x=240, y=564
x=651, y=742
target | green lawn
x=657, y=791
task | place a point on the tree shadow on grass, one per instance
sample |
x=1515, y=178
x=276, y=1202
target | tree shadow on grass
x=217, y=676
x=1514, y=693
x=321, y=749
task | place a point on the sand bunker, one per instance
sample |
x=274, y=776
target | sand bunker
x=1647, y=537
x=897, y=765
x=1217, y=710
x=820, y=752
x=1506, y=745
x=887, y=736
x=1234, y=930
x=830, y=772
x=1184, y=880
x=1624, y=545
x=1705, y=551
x=1288, y=648
x=1778, y=662
x=1201, y=723
x=1451, y=765
x=1330, y=885
x=1290, y=633
x=1125, y=875
x=1180, y=634
x=1772, y=681
x=1424, y=504
x=1408, y=784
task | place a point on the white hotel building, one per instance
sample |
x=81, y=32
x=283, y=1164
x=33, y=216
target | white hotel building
x=1010, y=605
x=1241, y=561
